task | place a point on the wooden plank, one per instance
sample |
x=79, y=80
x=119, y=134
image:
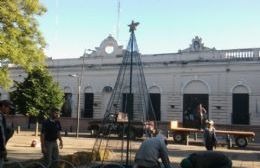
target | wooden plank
x=234, y=133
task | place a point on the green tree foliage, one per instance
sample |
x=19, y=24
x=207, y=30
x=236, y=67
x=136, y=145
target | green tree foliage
x=21, y=43
x=37, y=94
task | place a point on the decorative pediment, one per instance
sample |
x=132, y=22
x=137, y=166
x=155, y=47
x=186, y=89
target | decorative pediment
x=108, y=47
x=196, y=46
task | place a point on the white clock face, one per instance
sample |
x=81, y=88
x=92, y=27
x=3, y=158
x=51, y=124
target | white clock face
x=109, y=49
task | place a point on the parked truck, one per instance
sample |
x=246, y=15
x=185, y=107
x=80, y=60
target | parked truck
x=181, y=135
x=118, y=126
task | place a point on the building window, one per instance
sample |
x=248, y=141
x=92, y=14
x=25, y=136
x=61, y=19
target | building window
x=155, y=110
x=127, y=105
x=107, y=89
x=66, y=109
x=89, y=102
x=240, y=114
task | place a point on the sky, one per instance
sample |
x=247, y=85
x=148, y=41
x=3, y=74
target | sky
x=72, y=26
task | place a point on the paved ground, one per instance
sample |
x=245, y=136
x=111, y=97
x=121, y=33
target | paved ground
x=19, y=149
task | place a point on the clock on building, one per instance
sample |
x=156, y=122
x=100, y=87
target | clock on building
x=109, y=49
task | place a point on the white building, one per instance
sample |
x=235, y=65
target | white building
x=226, y=82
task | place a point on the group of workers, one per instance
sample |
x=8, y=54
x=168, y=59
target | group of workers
x=155, y=148
x=150, y=152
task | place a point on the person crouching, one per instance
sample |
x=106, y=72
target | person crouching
x=151, y=150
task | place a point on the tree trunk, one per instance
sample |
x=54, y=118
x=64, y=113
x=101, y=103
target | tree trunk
x=36, y=128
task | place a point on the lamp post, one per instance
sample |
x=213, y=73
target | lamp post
x=91, y=50
x=79, y=80
x=78, y=104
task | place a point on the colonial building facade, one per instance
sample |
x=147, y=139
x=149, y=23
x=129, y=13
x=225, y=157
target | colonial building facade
x=226, y=82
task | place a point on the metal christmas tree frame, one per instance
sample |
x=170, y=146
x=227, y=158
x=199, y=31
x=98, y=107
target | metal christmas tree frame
x=129, y=111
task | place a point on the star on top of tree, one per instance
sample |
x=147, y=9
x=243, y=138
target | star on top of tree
x=132, y=26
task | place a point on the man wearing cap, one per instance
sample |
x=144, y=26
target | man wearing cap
x=49, y=134
x=206, y=159
x=5, y=107
x=210, y=138
x=151, y=150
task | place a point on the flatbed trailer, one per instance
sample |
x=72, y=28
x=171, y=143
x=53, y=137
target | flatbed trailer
x=181, y=135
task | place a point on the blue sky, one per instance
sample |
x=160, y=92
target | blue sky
x=71, y=26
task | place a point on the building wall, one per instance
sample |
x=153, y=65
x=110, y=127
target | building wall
x=218, y=73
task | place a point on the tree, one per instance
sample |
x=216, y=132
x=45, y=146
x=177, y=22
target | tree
x=21, y=42
x=37, y=95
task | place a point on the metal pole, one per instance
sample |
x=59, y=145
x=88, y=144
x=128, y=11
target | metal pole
x=78, y=111
x=132, y=29
x=79, y=85
x=130, y=97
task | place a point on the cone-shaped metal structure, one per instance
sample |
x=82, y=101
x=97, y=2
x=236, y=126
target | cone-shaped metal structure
x=129, y=113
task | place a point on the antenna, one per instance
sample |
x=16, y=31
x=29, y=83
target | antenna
x=56, y=26
x=118, y=18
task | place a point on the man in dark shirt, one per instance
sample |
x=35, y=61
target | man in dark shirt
x=206, y=159
x=5, y=107
x=150, y=151
x=49, y=134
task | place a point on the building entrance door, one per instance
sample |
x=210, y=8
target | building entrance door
x=240, y=113
x=190, y=102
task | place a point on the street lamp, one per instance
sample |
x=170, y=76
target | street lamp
x=91, y=50
x=79, y=80
x=78, y=104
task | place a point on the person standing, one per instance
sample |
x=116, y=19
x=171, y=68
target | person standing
x=201, y=116
x=5, y=107
x=150, y=151
x=206, y=159
x=50, y=132
x=210, y=138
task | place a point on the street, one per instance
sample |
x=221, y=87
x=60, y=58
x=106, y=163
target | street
x=19, y=148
